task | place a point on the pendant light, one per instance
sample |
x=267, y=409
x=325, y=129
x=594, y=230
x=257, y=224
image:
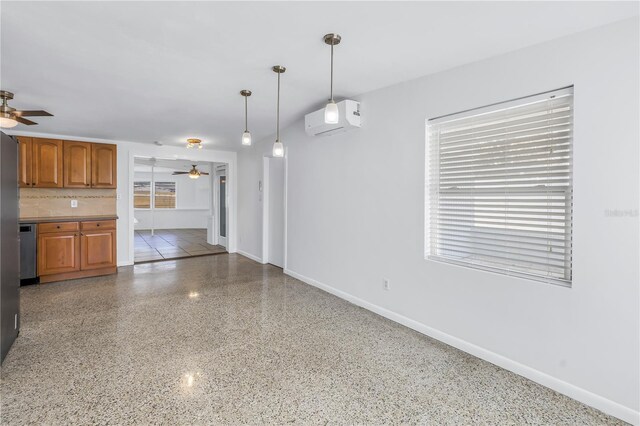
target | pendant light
x=278, y=148
x=246, y=136
x=331, y=115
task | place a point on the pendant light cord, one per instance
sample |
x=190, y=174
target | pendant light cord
x=331, y=72
x=278, y=113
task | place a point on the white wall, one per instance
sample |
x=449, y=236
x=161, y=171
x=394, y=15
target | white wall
x=250, y=164
x=273, y=211
x=355, y=214
x=192, y=207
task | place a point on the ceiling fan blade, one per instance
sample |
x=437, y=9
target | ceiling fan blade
x=24, y=121
x=180, y=173
x=204, y=173
x=34, y=113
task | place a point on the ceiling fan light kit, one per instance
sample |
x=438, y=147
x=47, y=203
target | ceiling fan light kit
x=194, y=173
x=246, y=135
x=6, y=122
x=10, y=117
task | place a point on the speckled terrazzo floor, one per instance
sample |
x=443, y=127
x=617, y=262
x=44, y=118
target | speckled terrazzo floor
x=225, y=340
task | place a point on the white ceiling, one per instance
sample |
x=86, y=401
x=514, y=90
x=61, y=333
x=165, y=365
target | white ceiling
x=166, y=71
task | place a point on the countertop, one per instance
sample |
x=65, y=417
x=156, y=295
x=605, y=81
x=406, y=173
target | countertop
x=66, y=219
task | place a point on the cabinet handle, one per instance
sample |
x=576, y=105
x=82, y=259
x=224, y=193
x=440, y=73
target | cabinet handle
x=86, y=184
x=97, y=224
x=58, y=226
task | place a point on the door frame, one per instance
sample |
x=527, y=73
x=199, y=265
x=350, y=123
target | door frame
x=226, y=158
x=265, y=209
x=220, y=170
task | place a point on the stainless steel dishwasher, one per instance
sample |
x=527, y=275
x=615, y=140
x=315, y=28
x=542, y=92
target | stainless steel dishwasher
x=28, y=253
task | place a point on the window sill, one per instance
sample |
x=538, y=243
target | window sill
x=504, y=272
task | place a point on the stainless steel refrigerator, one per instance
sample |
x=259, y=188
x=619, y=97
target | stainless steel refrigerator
x=9, y=244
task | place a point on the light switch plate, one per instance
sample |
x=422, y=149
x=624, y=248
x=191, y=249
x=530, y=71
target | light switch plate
x=74, y=203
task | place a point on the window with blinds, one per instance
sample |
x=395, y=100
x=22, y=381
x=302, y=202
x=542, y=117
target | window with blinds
x=499, y=187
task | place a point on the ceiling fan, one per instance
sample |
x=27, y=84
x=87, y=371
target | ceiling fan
x=10, y=117
x=194, y=173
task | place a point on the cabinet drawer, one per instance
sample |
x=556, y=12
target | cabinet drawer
x=98, y=224
x=57, y=227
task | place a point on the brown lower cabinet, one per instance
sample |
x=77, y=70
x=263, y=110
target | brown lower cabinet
x=68, y=250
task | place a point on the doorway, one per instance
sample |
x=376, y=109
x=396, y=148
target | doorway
x=172, y=206
x=221, y=204
x=273, y=241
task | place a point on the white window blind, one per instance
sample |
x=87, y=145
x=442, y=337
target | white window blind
x=499, y=187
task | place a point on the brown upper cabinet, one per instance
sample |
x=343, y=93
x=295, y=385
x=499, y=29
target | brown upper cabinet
x=25, y=148
x=46, y=163
x=77, y=164
x=52, y=163
x=104, y=165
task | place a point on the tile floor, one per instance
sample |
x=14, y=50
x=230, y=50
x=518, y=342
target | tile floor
x=225, y=340
x=172, y=244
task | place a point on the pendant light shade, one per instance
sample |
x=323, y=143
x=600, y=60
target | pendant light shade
x=246, y=135
x=246, y=138
x=331, y=115
x=278, y=148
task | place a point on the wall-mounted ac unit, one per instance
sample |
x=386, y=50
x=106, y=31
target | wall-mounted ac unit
x=349, y=113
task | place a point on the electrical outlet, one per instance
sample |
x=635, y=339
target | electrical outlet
x=74, y=204
x=118, y=196
x=386, y=284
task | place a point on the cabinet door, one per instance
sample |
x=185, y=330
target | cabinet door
x=77, y=164
x=103, y=165
x=58, y=253
x=25, y=149
x=98, y=249
x=46, y=163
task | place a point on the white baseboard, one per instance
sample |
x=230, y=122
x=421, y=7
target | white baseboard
x=586, y=397
x=249, y=255
x=125, y=263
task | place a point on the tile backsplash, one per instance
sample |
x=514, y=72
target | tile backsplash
x=53, y=202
